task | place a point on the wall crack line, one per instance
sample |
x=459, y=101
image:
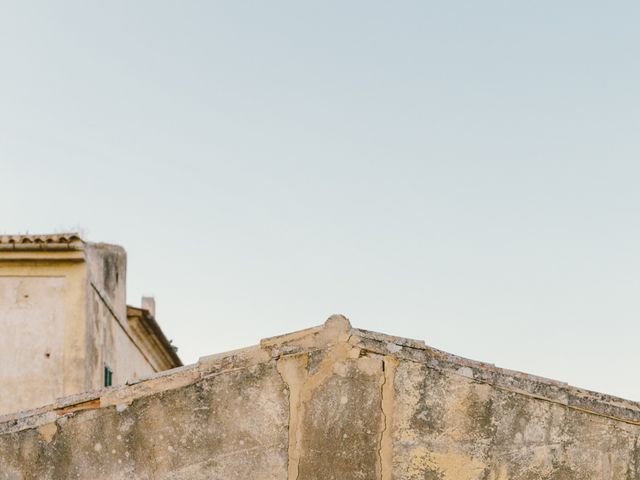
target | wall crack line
x=387, y=393
x=384, y=418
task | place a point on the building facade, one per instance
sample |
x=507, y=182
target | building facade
x=329, y=403
x=66, y=327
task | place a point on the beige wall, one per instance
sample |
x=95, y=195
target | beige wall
x=109, y=339
x=29, y=356
x=63, y=317
x=110, y=344
x=42, y=309
x=330, y=403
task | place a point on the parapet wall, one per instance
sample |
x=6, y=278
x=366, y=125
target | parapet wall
x=329, y=403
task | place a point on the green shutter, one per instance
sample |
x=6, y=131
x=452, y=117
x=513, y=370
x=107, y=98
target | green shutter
x=108, y=376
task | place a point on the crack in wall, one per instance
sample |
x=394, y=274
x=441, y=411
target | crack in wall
x=301, y=385
x=387, y=394
x=384, y=425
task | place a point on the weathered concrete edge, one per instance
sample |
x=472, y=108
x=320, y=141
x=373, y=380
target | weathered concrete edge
x=517, y=382
x=336, y=329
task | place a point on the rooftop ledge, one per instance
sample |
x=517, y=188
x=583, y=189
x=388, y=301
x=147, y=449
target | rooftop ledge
x=63, y=241
x=335, y=330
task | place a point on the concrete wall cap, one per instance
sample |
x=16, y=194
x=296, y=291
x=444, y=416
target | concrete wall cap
x=324, y=338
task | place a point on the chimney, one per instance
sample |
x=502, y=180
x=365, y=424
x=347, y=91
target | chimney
x=149, y=303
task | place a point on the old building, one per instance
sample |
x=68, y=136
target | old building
x=65, y=325
x=329, y=403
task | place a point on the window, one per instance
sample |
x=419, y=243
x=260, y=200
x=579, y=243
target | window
x=108, y=376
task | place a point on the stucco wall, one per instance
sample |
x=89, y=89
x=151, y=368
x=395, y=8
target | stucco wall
x=42, y=325
x=108, y=338
x=109, y=344
x=63, y=317
x=330, y=403
x=31, y=355
x=448, y=426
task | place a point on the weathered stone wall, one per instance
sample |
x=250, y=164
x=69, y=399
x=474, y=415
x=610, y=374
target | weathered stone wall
x=330, y=403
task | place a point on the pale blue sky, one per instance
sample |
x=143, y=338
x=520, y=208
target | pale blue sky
x=460, y=172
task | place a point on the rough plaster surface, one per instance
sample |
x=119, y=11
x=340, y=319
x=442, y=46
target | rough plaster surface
x=31, y=357
x=449, y=426
x=63, y=318
x=330, y=403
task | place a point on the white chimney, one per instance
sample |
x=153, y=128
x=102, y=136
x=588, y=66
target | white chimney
x=149, y=303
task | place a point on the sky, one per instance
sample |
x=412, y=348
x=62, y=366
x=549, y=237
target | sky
x=465, y=173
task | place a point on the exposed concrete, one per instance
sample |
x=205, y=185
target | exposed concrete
x=326, y=403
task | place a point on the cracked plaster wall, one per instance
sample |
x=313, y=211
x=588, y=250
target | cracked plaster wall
x=324, y=404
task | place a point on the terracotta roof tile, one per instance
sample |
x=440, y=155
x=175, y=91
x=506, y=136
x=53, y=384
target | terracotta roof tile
x=61, y=241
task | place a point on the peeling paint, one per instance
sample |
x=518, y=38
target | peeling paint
x=47, y=431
